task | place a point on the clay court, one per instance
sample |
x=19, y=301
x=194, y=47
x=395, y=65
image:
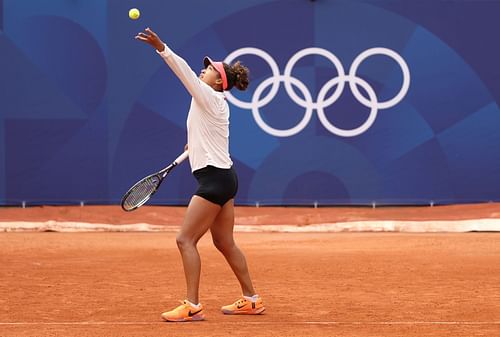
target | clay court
x=359, y=141
x=314, y=284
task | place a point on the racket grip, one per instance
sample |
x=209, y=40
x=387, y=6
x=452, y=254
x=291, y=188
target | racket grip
x=181, y=158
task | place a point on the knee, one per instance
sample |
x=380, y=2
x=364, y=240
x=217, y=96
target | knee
x=184, y=242
x=224, y=246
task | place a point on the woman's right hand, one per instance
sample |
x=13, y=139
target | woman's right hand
x=151, y=38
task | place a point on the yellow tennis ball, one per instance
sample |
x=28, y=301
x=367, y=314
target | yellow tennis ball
x=134, y=13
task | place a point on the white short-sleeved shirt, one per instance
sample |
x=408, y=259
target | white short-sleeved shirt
x=208, y=117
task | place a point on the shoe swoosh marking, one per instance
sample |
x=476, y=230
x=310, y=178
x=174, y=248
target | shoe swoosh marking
x=240, y=306
x=190, y=314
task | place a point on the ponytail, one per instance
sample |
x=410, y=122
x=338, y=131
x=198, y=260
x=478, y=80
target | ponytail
x=237, y=76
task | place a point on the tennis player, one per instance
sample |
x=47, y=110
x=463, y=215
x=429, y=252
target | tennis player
x=212, y=205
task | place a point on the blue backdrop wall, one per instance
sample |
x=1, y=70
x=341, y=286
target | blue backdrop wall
x=351, y=102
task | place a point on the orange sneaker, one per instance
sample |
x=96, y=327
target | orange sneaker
x=184, y=313
x=244, y=307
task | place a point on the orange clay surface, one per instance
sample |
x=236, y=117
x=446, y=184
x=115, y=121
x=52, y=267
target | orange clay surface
x=313, y=284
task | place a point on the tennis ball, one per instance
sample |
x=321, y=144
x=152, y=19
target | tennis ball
x=134, y=13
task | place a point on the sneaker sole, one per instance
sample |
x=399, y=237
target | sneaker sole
x=185, y=319
x=244, y=312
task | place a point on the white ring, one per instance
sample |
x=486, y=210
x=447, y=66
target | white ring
x=313, y=51
x=382, y=51
x=363, y=127
x=287, y=132
x=274, y=69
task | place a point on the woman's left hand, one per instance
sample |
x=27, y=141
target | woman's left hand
x=151, y=38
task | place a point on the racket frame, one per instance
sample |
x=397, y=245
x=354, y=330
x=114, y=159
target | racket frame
x=160, y=175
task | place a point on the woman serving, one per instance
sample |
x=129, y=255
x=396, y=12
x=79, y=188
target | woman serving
x=212, y=205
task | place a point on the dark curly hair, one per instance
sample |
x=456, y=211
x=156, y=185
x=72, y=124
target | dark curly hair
x=237, y=76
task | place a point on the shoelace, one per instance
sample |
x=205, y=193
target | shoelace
x=241, y=301
x=183, y=305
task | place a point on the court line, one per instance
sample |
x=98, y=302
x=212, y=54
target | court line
x=407, y=226
x=264, y=323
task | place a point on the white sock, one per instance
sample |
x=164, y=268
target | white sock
x=253, y=299
x=196, y=306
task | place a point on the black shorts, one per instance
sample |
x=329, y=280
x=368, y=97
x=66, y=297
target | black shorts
x=216, y=184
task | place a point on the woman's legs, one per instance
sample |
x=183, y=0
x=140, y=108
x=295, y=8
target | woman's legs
x=222, y=235
x=199, y=217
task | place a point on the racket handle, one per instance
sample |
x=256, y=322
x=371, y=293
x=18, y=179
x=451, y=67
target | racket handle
x=181, y=158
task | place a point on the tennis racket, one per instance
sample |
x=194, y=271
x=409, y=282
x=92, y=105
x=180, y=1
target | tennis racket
x=140, y=193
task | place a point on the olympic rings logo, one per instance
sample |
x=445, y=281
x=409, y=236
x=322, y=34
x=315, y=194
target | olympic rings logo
x=321, y=101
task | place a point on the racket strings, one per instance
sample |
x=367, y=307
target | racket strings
x=141, y=192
